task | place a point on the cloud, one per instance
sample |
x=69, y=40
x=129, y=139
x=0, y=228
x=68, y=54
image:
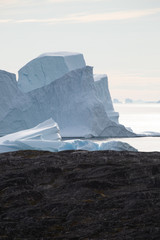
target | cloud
x=24, y=2
x=89, y=18
x=17, y=3
x=6, y=2
x=135, y=86
x=112, y=16
x=5, y=20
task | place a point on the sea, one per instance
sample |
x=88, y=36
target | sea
x=140, y=118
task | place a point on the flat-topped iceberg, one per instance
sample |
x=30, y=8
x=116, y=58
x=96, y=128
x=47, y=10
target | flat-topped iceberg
x=46, y=68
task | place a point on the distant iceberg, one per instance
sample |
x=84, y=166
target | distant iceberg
x=149, y=134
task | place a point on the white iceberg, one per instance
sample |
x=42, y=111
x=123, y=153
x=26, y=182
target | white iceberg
x=149, y=134
x=78, y=144
x=117, y=146
x=75, y=101
x=44, y=136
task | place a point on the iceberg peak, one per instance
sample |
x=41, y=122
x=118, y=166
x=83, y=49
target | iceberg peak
x=48, y=67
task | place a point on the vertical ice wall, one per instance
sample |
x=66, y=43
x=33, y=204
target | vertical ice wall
x=102, y=92
x=8, y=90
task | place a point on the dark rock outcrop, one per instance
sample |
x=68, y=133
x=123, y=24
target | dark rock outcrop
x=79, y=195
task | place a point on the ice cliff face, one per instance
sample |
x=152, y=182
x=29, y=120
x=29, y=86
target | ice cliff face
x=9, y=96
x=47, y=68
x=72, y=102
x=50, y=66
x=102, y=92
x=8, y=91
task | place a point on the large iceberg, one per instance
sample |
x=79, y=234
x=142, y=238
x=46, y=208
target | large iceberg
x=46, y=136
x=72, y=102
x=47, y=68
x=63, y=88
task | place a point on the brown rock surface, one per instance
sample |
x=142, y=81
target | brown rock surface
x=79, y=195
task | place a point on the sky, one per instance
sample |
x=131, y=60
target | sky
x=118, y=37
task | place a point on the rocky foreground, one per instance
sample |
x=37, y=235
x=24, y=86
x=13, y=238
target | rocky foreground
x=79, y=195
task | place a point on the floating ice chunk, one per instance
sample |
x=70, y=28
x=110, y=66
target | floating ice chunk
x=78, y=144
x=117, y=146
x=150, y=134
x=48, y=130
x=44, y=136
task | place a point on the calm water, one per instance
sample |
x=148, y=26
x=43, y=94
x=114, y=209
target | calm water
x=141, y=118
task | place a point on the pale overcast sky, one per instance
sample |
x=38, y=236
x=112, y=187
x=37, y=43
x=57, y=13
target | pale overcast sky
x=118, y=37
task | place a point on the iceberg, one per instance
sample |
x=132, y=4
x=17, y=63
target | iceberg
x=72, y=102
x=117, y=146
x=45, y=136
x=47, y=68
x=62, y=87
x=149, y=134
